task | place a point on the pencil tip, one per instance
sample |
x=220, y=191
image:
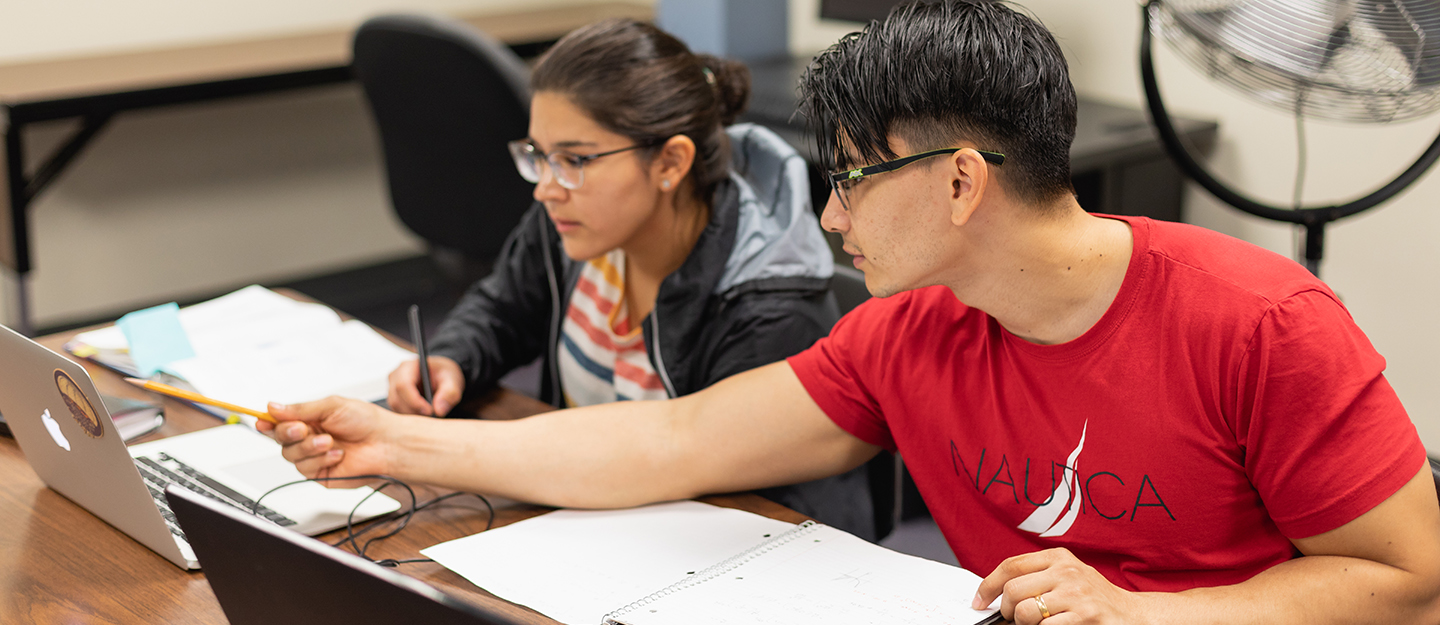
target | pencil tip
x=135, y=380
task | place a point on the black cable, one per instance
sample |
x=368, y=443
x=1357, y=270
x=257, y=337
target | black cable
x=405, y=520
x=392, y=563
x=1300, y=159
x=350, y=518
x=1297, y=241
x=488, y=523
x=352, y=536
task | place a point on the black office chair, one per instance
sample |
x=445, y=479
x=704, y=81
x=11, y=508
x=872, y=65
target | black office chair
x=446, y=99
x=1435, y=473
x=885, y=471
x=848, y=285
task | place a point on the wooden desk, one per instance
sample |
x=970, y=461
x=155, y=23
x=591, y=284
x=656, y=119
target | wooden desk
x=60, y=564
x=93, y=88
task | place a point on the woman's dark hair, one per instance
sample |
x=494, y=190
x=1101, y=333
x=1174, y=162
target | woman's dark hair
x=639, y=81
x=935, y=74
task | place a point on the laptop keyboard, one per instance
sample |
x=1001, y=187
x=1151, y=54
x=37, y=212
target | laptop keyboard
x=163, y=470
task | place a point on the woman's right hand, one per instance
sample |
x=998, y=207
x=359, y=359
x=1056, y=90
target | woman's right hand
x=448, y=383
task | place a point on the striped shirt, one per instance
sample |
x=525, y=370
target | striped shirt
x=602, y=359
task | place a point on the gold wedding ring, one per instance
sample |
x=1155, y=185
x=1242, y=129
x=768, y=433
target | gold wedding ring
x=1040, y=603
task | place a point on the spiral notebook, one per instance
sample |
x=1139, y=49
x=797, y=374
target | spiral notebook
x=813, y=574
x=569, y=566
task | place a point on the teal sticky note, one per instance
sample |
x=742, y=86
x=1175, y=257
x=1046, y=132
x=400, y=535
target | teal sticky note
x=156, y=337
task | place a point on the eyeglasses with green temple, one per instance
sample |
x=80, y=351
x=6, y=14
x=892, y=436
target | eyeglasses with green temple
x=841, y=182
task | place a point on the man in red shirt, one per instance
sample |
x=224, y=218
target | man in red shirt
x=1118, y=420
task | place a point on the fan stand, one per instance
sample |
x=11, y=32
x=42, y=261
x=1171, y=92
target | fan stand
x=1312, y=218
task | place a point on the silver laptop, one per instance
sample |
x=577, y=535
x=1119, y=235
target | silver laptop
x=60, y=423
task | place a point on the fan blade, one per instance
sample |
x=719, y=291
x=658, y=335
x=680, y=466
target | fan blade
x=1342, y=60
x=1295, y=37
x=1413, y=30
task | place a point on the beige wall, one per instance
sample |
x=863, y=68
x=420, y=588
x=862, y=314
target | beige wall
x=181, y=201
x=31, y=29
x=1385, y=263
x=188, y=199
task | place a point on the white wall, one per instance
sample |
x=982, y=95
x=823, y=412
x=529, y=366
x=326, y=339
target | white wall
x=177, y=202
x=183, y=200
x=1385, y=263
x=31, y=29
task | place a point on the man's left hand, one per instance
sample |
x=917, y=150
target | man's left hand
x=1055, y=587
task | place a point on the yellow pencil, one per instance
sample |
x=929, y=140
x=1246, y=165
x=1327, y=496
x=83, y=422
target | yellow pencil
x=166, y=389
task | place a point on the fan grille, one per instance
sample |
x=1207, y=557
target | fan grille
x=1343, y=60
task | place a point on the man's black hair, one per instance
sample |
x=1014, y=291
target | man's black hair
x=939, y=73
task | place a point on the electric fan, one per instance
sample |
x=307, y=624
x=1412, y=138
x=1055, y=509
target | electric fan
x=1369, y=61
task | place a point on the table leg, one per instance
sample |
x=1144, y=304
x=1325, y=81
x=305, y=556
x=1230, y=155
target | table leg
x=14, y=251
x=21, y=323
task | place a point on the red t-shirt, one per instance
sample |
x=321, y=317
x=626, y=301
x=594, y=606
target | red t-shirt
x=1224, y=402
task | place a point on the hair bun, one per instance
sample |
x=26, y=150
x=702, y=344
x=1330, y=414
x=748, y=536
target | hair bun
x=731, y=83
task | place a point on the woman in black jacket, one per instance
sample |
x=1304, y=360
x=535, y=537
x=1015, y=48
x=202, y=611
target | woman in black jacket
x=666, y=250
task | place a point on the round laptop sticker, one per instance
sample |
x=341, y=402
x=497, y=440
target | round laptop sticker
x=79, y=406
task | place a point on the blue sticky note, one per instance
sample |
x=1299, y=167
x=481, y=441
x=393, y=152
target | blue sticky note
x=156, y=337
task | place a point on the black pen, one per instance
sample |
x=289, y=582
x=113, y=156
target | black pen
x=417, y=334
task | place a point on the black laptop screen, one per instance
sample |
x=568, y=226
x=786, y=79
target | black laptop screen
x=264, y=574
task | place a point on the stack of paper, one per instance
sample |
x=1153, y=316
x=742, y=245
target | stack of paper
x=255, y=346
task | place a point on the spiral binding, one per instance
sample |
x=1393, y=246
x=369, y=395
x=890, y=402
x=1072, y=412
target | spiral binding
x=714, y=571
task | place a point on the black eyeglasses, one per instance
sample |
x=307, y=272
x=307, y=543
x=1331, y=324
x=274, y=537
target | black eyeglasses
x=841, y=182
x=569, y=169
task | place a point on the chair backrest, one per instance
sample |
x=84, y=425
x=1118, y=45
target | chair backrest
x=1435, y=473
x=446, y=99
x=848, y=284
x=884, y=471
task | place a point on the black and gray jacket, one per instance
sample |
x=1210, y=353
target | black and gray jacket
x=753, y=291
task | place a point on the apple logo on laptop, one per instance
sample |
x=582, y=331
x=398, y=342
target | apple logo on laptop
x=54, y=429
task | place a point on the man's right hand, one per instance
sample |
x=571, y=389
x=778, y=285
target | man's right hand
x=448, y=384
x=333, y=437
x=752, y=430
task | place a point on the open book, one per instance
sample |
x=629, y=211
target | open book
x=689, y=562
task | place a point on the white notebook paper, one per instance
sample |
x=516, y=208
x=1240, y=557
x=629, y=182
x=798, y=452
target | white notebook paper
x=255, y=346
x=692, y=563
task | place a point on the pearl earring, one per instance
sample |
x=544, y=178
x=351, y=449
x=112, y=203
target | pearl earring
x=664, y=184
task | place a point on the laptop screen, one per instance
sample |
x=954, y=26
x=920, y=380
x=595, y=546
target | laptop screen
x=263, y=574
